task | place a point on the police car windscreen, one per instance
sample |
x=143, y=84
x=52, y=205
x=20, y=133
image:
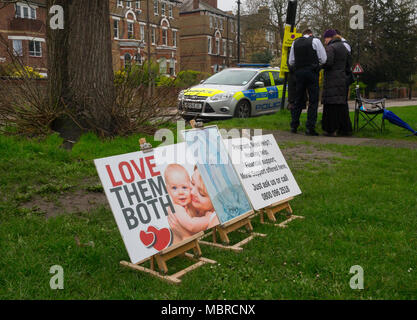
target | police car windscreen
x=231, y=77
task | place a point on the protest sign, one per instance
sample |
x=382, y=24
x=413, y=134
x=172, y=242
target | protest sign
x=151, y=197
x=262, y=169
x=223, y=184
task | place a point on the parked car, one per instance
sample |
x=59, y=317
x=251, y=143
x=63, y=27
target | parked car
x=234, y=92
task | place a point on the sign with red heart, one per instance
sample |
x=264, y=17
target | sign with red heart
x=155, y=199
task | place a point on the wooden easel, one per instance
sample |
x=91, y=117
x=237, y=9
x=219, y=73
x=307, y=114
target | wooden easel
x=230, y=226
x=276, y=208
x=179, y=249
x=169, y=253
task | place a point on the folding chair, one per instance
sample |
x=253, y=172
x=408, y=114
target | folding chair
x=368, y=110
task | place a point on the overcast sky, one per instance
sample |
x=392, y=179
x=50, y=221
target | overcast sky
x=227, y=5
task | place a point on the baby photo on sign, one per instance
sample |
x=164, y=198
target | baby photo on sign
x=223, y=185
x=193, y=209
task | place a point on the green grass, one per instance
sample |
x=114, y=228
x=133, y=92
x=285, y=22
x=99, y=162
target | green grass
x=281, y=121
x=360, y=209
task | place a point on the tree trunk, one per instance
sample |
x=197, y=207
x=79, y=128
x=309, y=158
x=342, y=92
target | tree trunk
x=80, y=72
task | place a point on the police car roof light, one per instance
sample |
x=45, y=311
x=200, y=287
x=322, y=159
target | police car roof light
x=253, y=65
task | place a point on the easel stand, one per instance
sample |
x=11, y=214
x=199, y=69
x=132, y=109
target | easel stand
x=233, y=225
x=169, y=253
x=276, y=208
x=176, y=250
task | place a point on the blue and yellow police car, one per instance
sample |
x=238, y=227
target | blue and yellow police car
x=249, y=90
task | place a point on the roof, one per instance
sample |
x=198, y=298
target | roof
x=188, y=6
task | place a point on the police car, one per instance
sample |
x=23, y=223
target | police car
x=249, y=90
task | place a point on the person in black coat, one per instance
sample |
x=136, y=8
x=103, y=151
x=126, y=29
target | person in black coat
x=336, y=118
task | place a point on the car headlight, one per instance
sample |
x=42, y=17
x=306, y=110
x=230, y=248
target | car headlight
x=181, y=95
x=221, y=96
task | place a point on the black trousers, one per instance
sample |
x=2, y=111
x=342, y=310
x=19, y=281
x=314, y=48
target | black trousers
x=307, y=79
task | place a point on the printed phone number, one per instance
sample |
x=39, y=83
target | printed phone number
x=275, y=193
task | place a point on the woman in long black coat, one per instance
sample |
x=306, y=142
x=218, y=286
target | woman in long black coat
x=336, y=118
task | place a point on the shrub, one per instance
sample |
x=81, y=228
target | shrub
x=189, y=78
x=362, y=87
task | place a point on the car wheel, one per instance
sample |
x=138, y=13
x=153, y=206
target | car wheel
x=243, y=109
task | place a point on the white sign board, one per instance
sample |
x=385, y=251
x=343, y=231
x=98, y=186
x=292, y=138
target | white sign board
x=155, y=198
x=262, y=169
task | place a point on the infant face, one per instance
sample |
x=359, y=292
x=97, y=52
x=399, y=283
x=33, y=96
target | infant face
x=179, y=187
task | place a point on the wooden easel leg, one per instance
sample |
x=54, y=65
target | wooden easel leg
x=162, y=265
x=271, y=215
x=197, y=250
x=249, y=226
x=224, y=236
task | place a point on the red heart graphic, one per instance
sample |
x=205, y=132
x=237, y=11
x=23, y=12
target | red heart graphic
x=163, y=238
x=148, y=239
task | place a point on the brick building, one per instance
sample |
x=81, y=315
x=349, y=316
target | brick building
x=258, y=33
x=208, y=36
x=130, y=33
x=22, y=27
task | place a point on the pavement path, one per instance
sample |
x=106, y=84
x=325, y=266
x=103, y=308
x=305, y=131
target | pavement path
x=285, y=136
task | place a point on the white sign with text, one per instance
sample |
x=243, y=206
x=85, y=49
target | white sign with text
x=262, y=169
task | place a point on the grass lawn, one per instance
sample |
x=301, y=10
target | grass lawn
x=281, y=121
x=360, y=208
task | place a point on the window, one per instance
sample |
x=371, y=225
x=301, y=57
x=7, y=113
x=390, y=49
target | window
x=35, y=49
x=230, y=49
x=209, y=45
x=128, y=61
x=231, y=77
x=165, y=37
x=163, y=9
x=153, y=36
x=224, y=48
x=116, y=28
x=174, y=38
x=130, y=30
x=155, y=7
x=217, y=45
x=221, y=24
x=211, y=22
x=278, y=81
x=138, y=58
x=120, y=3
x=137, y=4
x=142, y=32
x=170, y=11
x=163, y=66
x=172, y=67
x=264, y=77
x=17, y=48
x=129, y=4
x=25, y=11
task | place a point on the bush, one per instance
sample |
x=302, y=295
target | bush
x=362, y=87
x=189, y=78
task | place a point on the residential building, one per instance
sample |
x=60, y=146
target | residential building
x=135, y=33
x=259, y=34
x=208, y=37
x=23, y=33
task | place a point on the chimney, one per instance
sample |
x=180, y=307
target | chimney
x=212, y=3
x=196, y=4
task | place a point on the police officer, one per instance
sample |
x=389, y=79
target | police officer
x=306, y=56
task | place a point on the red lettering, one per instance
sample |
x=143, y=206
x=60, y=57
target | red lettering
x=113, y=181
x=151, y=166
x=141, y=172
x=122, y=172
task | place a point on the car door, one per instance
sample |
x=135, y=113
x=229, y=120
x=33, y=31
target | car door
x=279, y=84
x=266, y=97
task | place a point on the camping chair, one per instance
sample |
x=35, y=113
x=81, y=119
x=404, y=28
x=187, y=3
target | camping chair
x=368, y=110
